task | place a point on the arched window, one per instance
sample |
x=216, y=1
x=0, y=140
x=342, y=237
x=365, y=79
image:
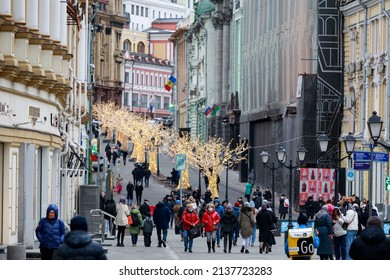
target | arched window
x=127, y=45
x=141, y=47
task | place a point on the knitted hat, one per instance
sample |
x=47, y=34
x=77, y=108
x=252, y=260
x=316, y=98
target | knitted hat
x=79, y=223
x=122, y=200
x=302, y=219
x=252, y=204
x=229, y=206
x=178, y=201
x=247, y=204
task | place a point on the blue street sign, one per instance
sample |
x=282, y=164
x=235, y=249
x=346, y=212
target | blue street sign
x=361, y=156
x=361, y=165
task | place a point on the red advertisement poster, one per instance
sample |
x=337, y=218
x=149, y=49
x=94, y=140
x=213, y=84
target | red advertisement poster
x=316, y=182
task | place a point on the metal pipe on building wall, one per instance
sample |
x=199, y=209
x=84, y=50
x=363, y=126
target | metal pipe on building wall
x=387, y=71
x=364, y=92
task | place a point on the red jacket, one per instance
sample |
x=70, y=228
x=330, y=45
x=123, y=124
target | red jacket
x=189, y=219
x=210, y=218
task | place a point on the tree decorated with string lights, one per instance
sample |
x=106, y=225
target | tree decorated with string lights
x=147, y=136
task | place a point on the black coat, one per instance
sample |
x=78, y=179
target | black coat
x=310, y=207
x=161, y=216
x=229, y=222
x=372, y=244
x=78, y=245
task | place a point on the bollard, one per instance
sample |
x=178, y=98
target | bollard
x=16, y=252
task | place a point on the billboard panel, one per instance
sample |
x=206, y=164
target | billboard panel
x=316, y=182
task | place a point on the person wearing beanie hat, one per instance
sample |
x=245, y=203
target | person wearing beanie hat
x=302, y=223
x=236, y=211
x=372, y=243
x=177, y=211
x=220, y=210
x=121, y=221
x=78, y=244
x=229, y=223
x=247, y=204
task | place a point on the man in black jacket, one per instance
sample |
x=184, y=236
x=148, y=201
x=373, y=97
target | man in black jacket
x=78, y=244
x=372, y=244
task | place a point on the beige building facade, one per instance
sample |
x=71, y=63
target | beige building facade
x=366, y=75
x=42, y=102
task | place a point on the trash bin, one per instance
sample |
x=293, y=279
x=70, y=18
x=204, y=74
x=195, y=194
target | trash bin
x=16, y=252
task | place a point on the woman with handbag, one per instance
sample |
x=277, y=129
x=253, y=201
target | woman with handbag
x=210, y=222
x=121, y=221
x=339, y=235
x=190, y=221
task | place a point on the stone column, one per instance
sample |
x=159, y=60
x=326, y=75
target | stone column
x=218, y=24
x=44, y=18
x=55, y=19
x=19, y=11
x=32, y=15
x=63, y=24
x=227, y=16
x=5, y=7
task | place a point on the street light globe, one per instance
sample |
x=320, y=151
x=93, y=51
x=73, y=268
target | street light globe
x=375, y=126
x=265, y=156
x=349, y=142
x=281, y=154
x=323, y=141
x=301, y=153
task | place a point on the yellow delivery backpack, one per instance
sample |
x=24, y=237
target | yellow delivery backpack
x=300, y=242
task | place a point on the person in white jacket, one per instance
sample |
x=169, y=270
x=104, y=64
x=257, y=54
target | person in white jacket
x=352, y=219
x=339, y=234
x=121, y=221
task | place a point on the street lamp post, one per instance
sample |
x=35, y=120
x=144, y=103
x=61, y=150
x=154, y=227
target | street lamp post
x=349, y=143
x=281, y=157
x=233, y=160
x=264, y=158
x=374, y=124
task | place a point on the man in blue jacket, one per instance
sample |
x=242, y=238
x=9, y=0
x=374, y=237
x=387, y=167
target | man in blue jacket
x=50, y=233
x=220, y=210
x=161, y=217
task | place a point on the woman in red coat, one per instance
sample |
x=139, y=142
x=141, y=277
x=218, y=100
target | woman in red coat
x=189, y=219
x=210, y=222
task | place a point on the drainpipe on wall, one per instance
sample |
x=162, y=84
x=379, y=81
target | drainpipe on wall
x=364, y=93
x=387, y=71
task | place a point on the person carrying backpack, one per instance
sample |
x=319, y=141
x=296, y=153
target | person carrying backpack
x=147, y=229
x=135, y=227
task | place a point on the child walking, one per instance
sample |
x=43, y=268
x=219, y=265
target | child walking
x=147, y=229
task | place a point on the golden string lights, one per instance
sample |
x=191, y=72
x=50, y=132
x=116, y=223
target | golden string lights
x=150, y=137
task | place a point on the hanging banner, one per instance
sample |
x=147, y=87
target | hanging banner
x=316, y=182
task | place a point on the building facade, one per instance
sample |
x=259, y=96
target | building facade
x=43, y=100
x=108, y=20
x=366, y=75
